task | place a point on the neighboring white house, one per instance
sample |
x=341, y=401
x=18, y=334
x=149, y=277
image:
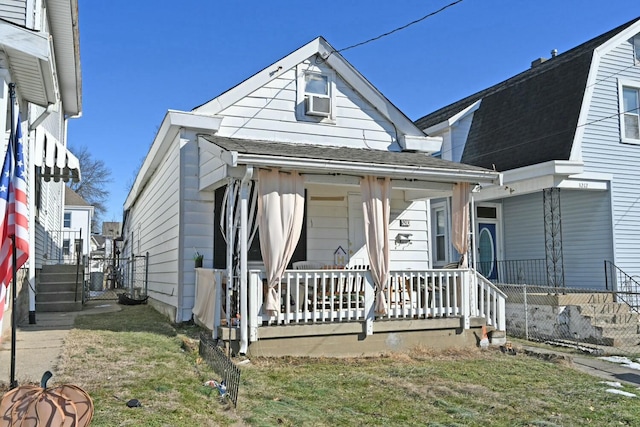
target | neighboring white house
x=343, y=157
x=40, y=59
x=78, y=217
x=566, y=135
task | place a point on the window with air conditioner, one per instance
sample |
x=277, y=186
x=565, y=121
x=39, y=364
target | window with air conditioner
x=629, y=98
x=315, y=94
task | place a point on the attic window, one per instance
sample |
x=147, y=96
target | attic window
x=316, y=95
x=635, y=41
x=629, y=94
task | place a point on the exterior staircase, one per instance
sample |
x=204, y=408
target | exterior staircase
x=57, y=289
x=606, y=322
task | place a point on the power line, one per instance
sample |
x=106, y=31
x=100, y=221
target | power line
x=401, y=28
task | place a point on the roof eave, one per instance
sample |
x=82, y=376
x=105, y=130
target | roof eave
x=63, y=22
x=393, y=171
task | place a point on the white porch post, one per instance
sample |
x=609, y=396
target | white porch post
x=369, y=303
x=230, y=245
x=244, y=296
x=466, y=299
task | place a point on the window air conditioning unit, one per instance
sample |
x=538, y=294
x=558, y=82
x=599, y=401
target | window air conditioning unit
x=318, y=106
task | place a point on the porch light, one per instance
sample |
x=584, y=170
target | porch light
x=403, y=238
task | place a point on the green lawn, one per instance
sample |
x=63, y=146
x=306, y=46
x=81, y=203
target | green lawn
x=137, y=353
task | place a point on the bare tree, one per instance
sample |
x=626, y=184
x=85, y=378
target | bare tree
x=93, y=185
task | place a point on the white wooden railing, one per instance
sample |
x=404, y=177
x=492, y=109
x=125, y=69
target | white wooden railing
x=347, y=295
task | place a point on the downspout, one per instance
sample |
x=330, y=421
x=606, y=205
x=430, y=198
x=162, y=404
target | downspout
x=244, y=296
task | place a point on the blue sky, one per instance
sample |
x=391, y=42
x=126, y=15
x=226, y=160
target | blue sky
x=140, y=58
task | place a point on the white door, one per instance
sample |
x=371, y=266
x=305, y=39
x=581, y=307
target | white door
x=357, y=250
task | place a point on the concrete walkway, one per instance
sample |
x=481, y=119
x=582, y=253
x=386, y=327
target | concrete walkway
x=38, y=346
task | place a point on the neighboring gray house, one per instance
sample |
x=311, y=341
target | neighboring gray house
x=565, y=134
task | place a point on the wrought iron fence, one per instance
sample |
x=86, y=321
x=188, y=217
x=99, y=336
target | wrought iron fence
x=594, y=321
x=63, y=247
x=517, y=272
x=222, y=365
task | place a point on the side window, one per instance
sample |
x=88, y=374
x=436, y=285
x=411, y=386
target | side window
x=67, y=220
x=440, y=233
x=629, y=95
x=66, y=247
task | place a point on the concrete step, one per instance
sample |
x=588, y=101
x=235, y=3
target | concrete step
x=61, y=306
x=45, y=297
x=58, y=287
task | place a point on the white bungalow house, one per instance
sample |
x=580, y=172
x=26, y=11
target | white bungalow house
x=40, y=66
x=566, y=135
x=309, y=195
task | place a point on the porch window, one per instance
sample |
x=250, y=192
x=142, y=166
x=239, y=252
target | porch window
x=630, y=111
x=67, y=220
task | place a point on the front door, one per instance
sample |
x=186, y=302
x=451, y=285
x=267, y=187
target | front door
x=487, y=250
x=357, y=246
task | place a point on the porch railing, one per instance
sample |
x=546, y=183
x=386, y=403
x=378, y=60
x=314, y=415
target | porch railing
x=335, y=296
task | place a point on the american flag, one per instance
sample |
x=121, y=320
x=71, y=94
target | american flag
x=14, y=211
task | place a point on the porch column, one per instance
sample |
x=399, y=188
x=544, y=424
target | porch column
x=230, y=246
x=245, y=315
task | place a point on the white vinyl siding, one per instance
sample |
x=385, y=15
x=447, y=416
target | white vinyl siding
x=196, y=224
x=154, y=222
x=14, y=11
x=586, y=237
x=523, y=227
x=328, y=228
x=602, y=152
x=269, y=113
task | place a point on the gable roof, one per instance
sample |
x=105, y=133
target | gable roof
x=309, y=157
x=71, y=198
x=530, y=118
x=324, y=52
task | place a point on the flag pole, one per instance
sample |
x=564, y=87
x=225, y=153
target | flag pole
x=14, y=288
x=14, y=314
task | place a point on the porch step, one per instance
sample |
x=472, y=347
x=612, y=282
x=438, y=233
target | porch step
x=609, y=313
x=57, y=290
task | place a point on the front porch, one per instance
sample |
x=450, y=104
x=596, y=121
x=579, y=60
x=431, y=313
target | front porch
x=331, y=312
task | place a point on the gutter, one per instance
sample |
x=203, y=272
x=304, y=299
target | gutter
x=337, y=166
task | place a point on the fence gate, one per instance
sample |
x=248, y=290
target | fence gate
x=106, y=278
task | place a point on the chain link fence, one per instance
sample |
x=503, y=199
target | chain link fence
x=593, y=321
x=107, y=278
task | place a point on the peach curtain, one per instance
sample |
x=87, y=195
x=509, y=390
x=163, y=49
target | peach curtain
x=460, y=220
x=376, y=209
x=280, y=216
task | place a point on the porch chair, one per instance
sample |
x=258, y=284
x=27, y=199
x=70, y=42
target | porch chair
x=302, y=286
x=307, y=265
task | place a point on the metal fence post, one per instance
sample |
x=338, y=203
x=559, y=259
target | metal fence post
x=526, y=313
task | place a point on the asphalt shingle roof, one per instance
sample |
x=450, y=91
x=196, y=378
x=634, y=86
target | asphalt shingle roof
x=530, y=118
x=346, y=154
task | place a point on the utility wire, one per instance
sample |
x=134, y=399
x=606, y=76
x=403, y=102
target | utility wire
x=401, y=28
